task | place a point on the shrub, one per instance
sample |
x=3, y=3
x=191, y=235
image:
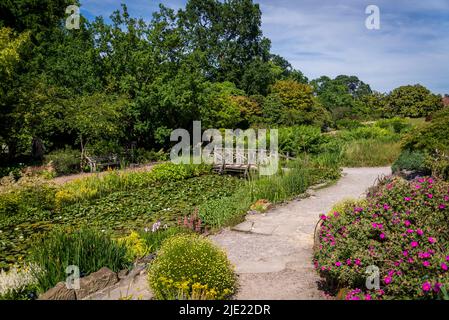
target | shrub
x=135, y=246
x=348, y=124
x=403, y=229
x=396, y=125
x=65, y=161
x=372, y=133
x=298, y=139
x=411, y=161
x=88, y=249
x=187, y=263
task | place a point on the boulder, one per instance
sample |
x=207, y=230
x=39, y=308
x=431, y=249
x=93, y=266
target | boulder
x=59, y=292
x=96, y=281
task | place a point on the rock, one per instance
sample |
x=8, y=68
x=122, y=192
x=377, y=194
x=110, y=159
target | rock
x=123, y=273
x=59, y=292
x=96, y=281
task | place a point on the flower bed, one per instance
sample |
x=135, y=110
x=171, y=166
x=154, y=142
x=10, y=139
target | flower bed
x=403, y=229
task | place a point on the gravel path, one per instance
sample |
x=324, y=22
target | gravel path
x=273, y=252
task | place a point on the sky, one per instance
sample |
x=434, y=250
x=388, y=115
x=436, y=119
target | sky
x=329, y=37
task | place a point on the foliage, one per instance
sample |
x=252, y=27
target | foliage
x=396, y=125
x=128, y=208
x=88, y=249
x=348, y=124
x=298, y=139
x=135, y=246
x=370, y=153
x=155, y=238
x=412, y=101
x=402, y=230
x=411, y=161
x=65, y=161
x=196, y=261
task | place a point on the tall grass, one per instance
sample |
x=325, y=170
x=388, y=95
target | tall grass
x=88, y=249
x=370, y=153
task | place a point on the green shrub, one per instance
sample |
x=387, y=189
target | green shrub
x=348, y=124
x=369, y=133
x=65, y=161
x=411, y=161
x=403, y=229
x=298, y=139
x=188, y=263
x=88, y=249
x=396, y=125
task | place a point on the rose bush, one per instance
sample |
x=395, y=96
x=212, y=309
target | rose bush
x=402, y=228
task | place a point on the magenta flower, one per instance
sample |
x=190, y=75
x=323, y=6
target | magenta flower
x=405, y=253
x=382, y=236
x=348, y=262
x=414, y=244
x=437, y=287
x=410, y=260
x=430, y=196
x=387, y=280
x=374, y=225
x=418, y=186
x=447, y=258
x=444, y=266
x=432, y=240
x=419, y=232
x=323, y=217
x=358, y=262
x=426, y=263
x=367, y=297
x=426, y=286
x=407, y=199
x=442, y=206
x=338, y=264
x=386, y=207
x=410, y=230
x=407, y=223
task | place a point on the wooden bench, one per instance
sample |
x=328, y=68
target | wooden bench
x=97, y=162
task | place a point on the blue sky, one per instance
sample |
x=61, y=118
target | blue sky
x=329, y=37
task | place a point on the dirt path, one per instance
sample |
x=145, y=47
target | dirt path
x=273, y=252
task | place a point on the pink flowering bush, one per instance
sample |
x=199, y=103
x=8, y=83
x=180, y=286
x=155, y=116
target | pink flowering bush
x=402, y=228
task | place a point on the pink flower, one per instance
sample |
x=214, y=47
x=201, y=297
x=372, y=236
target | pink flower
x=323, y=268
x=444, y=266
x=442, y=206
x=426, y=264
x=405, y=253
x=447, y=258
x=414, y=244
x=410, y=231
x=432, y=240
x=374, y=225
x=338, y=264
x=367, y=297
x=407, y=223
x=430, y=196
x=323, y=217
x=387, y=280
x=418, y=186
x=426, y=286
x=382, y=236
x=446, y=198
x=407, y=199
x=386, y=207
x=410, y=260
x=357, y=262
x=437, y=287
x=419, y=232
x=348, y=262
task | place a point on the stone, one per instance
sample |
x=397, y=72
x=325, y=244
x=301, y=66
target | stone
x=96, y=281
x=59, y=292
x=123, y=273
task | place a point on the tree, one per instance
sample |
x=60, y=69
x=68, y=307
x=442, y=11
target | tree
x=412, y=101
